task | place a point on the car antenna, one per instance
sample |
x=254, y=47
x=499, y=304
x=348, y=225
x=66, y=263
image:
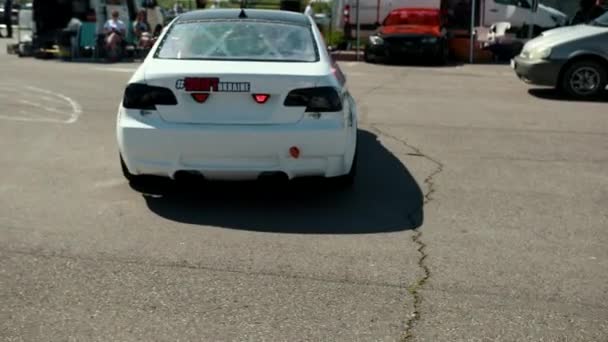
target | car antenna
x=242, y=14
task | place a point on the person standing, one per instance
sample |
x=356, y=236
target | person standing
x=153, y=14
x=309, y=11
x=177, y=8
x=141, y=29
x=115, y=31
x=8, y=17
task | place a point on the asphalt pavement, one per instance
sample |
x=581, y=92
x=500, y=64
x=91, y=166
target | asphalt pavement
x=480, y=213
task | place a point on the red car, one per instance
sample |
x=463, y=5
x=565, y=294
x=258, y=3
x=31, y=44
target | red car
x=408, y=33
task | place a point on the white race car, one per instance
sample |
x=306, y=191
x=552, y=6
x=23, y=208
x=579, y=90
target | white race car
x=237, y=95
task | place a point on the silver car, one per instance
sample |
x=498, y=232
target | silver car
x=573, y=59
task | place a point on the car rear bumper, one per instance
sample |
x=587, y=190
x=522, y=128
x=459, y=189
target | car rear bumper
x=396, y=51
x=541, y=72
x=154, y=147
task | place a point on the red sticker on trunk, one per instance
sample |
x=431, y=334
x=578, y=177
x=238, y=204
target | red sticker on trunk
x=201, y=84
x=211, y=84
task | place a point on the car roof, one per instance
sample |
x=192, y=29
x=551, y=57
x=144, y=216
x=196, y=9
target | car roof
x=252, y=14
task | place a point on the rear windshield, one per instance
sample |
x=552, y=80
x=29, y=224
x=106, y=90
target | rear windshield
x=412, y=17
x=236, y=40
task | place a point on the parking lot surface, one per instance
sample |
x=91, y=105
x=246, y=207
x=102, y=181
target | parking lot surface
x=480, y=213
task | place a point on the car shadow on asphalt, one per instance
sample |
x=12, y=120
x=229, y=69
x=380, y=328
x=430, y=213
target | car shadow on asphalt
x=554, y=95
x=385, y=198
x=419, y=64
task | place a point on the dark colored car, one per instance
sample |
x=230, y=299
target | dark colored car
x=573, y=59
x=408, y=33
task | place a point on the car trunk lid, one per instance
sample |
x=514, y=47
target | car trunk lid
x=230, y=89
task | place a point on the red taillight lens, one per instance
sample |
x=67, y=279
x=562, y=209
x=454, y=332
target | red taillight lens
x=260, y=98
x=200, y=97
x=294, y=152
x=320, y=99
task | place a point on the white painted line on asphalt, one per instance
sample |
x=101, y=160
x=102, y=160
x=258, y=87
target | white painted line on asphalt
x=76, y=108
x=46, y=95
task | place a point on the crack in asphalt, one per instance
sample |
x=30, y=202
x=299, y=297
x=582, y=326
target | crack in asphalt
x=415, y=289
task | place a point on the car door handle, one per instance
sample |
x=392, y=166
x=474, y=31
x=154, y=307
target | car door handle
x=494, y=10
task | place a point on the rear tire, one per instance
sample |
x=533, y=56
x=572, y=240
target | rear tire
x=443, y=55
x=367, y=58
x=584, y=80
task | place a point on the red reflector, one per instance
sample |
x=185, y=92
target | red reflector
x=261, y=98
x=294, y=152
x=200, y=97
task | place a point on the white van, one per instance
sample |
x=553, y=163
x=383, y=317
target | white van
x=517, y=12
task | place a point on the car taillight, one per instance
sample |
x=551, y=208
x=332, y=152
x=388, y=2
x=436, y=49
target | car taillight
x=143, y=96
x=347, y=13
x=200, y=97
x=320, y=99
x=260, y=98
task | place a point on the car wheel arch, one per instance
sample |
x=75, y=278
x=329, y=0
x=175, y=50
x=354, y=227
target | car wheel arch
x=585, y=56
